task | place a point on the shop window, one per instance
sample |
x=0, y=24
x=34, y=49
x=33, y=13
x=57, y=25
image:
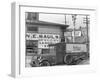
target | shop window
x=32, y=16
x=31, y=47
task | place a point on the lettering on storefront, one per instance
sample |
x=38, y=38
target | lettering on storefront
x=43, y=39
x=76, y=48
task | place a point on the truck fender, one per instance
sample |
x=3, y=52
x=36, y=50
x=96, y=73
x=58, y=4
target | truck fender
x=68, y=59
x=44, y=63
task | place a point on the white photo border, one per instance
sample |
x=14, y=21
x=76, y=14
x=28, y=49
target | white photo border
x=21, y=70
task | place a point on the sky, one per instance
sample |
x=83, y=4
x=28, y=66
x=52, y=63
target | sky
x=59, y=18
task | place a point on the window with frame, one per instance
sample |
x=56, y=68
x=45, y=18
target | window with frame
x=31, y=47
x=31, y=28
x=32, y=16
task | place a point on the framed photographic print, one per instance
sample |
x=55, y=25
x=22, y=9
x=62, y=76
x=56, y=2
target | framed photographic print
x=51, y=40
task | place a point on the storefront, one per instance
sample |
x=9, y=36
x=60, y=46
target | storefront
x=40, y=34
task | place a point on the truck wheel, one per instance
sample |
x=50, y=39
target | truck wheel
x=44, y=63
x=68, y=59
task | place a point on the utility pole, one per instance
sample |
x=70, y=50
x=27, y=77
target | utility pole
x=87, y=24
x=74, y=23
x=65, y=30
x=65, y=19
x=87, y=21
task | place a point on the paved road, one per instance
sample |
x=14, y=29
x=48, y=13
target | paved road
x=28, y=60
x=84, y=62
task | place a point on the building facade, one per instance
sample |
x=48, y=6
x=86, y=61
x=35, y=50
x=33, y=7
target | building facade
x=39, y=34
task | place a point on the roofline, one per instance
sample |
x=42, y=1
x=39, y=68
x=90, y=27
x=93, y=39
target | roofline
x=45, y=23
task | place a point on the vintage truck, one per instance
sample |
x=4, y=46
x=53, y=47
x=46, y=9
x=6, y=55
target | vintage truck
x=62, y=53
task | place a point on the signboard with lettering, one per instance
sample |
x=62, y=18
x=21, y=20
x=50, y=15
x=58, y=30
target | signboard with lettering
x=43, y=39
x=31, y=36
x=71, y=33
x=68, y=34
x=77, y=33
x=76, y=48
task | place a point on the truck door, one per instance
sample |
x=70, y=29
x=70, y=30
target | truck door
x=60, y=52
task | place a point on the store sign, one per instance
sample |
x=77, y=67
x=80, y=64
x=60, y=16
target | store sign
x=43, y=39
x=68, y=34
x=31, y=36
x=76, y=33
x=76, y=48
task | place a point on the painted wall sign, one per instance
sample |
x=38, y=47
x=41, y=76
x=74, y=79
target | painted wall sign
x=76, y=48
x=43, y=39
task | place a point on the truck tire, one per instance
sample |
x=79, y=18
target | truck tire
x=68, y=59
x=44, y=63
